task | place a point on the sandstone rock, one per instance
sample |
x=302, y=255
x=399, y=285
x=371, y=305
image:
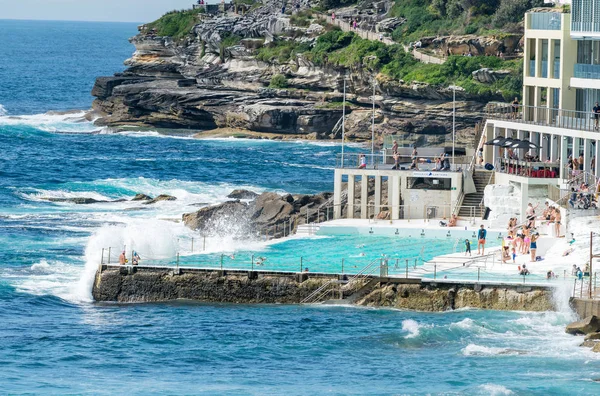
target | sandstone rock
x=589, y=325
x=242, y=194
x=596, y=348
x=141, y=197
x=162, y=197
x=389, y=24
x=489, y=76
x=592, y=336
x=218, y=218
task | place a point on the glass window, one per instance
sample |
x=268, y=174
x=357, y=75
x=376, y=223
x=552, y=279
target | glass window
x=426, y=183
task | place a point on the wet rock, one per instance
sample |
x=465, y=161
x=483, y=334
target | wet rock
x=78, y=201
x=141, y=197
x=242, y=194
x=213, y=218
x=592, y=336
x=162, y=197
x=589, y=325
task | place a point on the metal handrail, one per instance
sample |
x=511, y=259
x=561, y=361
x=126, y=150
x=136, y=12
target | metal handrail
x=311, y=297
x=540, y=115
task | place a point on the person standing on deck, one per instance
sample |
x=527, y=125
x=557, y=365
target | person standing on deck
x=515, y=107
x=481, y=240
x=596, y=111
x=122, y=258
x=467, y=247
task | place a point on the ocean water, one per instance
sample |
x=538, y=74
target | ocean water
x=55, y=340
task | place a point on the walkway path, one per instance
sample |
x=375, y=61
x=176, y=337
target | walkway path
x=347, y=27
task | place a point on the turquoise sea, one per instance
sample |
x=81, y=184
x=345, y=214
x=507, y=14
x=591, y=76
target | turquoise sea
x=55, y=340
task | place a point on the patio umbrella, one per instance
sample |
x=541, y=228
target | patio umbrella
x=509, y=142
x=524, y=144
x=497, y=141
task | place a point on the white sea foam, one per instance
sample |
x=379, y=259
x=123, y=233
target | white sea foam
x=42, y=265
x=3, y=111
x=411, y=327
x=71, y=122
x=480, y=350
x=495, y=390
x=465, y=324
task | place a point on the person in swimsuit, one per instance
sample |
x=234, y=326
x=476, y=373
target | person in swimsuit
x=533, y=246
x=481, y=234
x=526, y=241
x=557, y=222
x=530, y=213
x=467, y=247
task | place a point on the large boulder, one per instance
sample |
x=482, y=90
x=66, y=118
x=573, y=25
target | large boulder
x=489, y=76
x=141, y=197
x=589, y=325
x=161, y=197
x=242, y=194
x=218, y=218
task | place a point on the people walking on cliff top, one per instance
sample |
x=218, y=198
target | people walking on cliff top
x=122, y=258
x=481, y=234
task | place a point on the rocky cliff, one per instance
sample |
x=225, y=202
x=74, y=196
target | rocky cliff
x=207, y=80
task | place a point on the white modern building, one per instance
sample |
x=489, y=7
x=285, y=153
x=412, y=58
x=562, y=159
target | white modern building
x=561, y=84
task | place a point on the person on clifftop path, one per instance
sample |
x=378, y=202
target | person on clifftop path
x=481, y=234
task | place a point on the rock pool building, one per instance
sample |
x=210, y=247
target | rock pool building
x=561, y=84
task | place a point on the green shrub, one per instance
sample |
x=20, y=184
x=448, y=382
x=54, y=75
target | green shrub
x=176, y=24
x=278, y=81
x=512, y=11
x=302, y=19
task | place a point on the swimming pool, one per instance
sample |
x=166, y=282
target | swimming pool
x=333, y=252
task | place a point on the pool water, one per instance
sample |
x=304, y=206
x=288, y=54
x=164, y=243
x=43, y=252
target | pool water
x=327, y=253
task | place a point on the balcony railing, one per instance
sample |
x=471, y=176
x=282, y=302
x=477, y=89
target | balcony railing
x=587, y=71
x=545, y=21
x=422, y=163
x=568, y=119
x=546, y=170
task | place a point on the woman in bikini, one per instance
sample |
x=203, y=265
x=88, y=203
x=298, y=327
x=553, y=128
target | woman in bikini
x=533, y=246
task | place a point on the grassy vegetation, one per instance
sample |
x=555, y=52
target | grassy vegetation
x=281, y=51
x=278, y=81
x=441, y=17
x=303, y=18
x=176, y=24
x=337, y=48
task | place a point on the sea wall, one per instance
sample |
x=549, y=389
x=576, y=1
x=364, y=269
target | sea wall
x=442, y=296
x=145, y=284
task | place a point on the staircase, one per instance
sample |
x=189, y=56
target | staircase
x=481, y=179
x=307, y=229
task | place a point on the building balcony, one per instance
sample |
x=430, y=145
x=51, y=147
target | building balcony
x=543, y=116
x=529, y=169
x=403, y=162
x=587, y=71
x=545, y=21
